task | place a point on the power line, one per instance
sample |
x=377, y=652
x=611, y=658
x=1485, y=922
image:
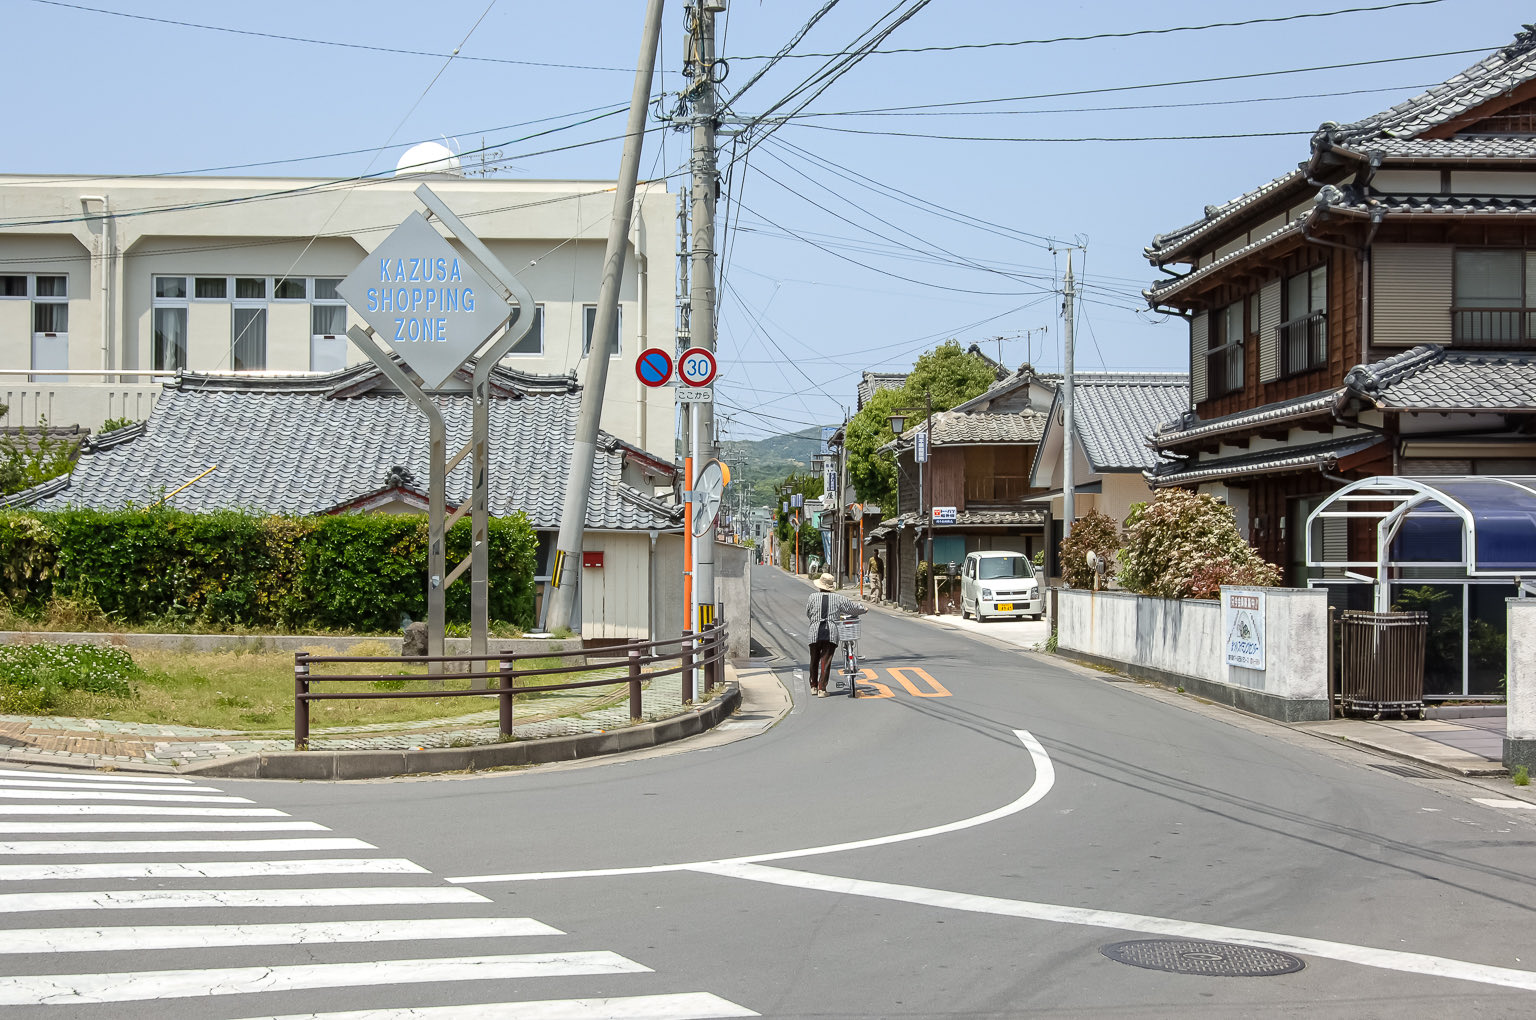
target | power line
x=1134, y=32
x=396, y=50
x=1082, y=138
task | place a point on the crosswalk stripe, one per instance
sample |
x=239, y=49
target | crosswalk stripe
x=154, y=899
x=233, y=826
x=68, y=784
x=140, y=809
x=204, y=936
x=176, y=798
x=684, y=1006
x=183, y=846
x=62, y=989
x=210, y=869
x=96, y=777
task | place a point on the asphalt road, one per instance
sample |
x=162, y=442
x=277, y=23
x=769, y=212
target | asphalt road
x=965, y=847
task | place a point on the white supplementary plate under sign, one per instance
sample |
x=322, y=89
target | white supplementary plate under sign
x=695, y=394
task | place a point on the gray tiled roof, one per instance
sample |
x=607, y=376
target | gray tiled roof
x=1474, y=148
x=1351, y=200
x=282, y=447
x=1165, y=246
x=1183, y=428
x=955, y=428
x=974, y=519
x=1493, y=76
x=1114, y=412
x=1432, y=378
x=1162, y=289
x=1322, y=456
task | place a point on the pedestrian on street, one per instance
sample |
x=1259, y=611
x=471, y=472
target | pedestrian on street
x=822, y=609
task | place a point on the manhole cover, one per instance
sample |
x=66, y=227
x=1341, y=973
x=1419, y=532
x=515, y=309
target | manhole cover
x=1212, y=959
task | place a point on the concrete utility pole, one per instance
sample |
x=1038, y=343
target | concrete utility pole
x=578, y=479
x=701, y=298
x=1068, y=497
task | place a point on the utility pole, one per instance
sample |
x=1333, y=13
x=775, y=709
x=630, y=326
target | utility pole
x=1068, y=498
x=701, y=315
x=578, y=481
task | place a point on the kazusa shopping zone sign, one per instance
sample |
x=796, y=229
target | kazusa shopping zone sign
x=431, y=307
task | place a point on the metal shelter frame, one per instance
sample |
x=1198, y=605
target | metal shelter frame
x=1392, y=501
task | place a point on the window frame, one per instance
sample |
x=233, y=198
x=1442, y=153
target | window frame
x=1521, y=314
x=1314, y=320
x=588, y=330
x=538, y=324
x=1221, y=379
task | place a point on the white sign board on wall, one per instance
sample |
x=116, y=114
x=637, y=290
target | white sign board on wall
x=1243, y=624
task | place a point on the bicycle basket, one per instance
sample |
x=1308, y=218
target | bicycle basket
x=848, y=630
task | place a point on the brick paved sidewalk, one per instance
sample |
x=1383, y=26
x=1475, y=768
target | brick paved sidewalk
x=102, y=742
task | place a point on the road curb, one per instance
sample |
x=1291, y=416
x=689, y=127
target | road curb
x=366, y=764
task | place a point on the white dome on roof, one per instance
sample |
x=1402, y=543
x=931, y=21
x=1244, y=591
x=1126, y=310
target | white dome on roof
x=428, y=158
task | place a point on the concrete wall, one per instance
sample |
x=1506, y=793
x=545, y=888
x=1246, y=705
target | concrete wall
x=1180, y=642
x=1520, y=685
x=733, y=593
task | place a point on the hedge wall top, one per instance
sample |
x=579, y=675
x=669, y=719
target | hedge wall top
x=324, y=444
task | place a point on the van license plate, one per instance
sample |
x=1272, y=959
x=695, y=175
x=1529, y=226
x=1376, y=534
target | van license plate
x=1005, y=607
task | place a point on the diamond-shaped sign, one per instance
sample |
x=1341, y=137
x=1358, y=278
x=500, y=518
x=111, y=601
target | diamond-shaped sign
x=424, y=300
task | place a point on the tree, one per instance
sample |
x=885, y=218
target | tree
x=1092, y=532
x=1186, y=545
x=949, y=374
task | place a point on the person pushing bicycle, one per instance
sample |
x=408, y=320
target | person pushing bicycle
x=823, y=609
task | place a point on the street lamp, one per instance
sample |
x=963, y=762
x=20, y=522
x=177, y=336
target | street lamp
x=898, y=420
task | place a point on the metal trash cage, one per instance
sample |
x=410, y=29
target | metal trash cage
x=848, y=630
x=1381, y=662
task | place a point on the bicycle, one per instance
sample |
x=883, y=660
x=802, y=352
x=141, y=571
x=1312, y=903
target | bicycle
x=848, y=637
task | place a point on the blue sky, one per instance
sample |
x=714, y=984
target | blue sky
x=856, y=245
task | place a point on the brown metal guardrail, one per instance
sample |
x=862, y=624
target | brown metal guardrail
x=702, y=653
x=1381, y=662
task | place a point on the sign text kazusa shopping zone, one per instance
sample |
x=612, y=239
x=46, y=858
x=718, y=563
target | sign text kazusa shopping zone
x=421, y=313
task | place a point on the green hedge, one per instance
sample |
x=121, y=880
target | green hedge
x=347, y=572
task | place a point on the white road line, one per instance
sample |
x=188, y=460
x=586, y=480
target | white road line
x=183, y=846
x=61, y=989
x=169, y=798
x=179, y=899
x=1504, y=802
x=67, y=784
x=1045, y=779
x=210, y=869
x=233, y=826
x=95, y=777
x=140, y=809
x=204, y=936
x=1385, y=959
x=685, y=1006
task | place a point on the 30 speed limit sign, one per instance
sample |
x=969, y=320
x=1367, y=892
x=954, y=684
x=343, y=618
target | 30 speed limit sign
x=696, y=367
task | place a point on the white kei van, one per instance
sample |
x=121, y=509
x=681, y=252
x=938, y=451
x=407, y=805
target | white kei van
x=999, y=583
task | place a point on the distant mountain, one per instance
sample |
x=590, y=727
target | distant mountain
x=762, y=463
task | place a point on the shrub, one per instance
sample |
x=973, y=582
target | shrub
x=1093, y=532
x=94, y=668
x=230, y=569
x=1186, y=545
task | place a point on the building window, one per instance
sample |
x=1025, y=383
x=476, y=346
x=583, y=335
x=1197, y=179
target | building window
x=289, y=288
x=50, y=320
x=327, y=327
x=1494, y=298
x=211, y=288
x=589, y=323
x=1304, y=333
x=248, y=344
x=533, y=342
x=1225, y=362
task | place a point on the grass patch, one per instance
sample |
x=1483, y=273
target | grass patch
x=253, y=691
x=1521, y=776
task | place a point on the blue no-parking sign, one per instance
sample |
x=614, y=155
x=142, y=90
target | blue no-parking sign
x=654, y=366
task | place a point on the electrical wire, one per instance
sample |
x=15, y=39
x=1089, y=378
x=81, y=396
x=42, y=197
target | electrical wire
x=1133, y=33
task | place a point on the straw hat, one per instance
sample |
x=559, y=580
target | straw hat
x=826, y=582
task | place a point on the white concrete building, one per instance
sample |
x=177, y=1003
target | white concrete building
x=109, y=285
